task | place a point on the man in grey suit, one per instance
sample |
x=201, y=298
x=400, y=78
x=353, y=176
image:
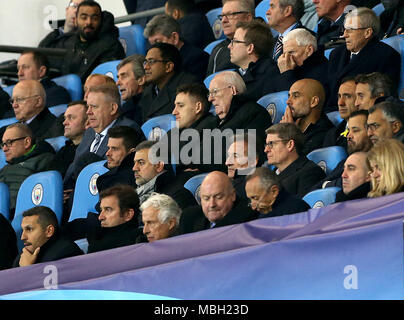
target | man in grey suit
x=103, y=113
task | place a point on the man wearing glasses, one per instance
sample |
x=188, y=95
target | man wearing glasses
x=233, y=11
x=28, y=102
x=296, y=173
x=362, y=53
x=163, y=74
x=24, y=156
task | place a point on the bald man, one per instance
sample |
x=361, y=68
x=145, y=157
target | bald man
x=219, y=207
x=28, y=102
x=305, y=109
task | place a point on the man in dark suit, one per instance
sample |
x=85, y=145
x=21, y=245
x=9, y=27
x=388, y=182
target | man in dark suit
x=233, y=11
x=284, y=16
x=268, y=197
x=301, y=59
x=219, y=206
x=163, y=75
x=28, y=102
x=33, y=65
x=103, y=113
x=362, y=53
x=42, y=240
x=296, y=173
x=249, y=50
x=164, y=28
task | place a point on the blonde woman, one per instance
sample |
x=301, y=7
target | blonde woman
x=386, y=160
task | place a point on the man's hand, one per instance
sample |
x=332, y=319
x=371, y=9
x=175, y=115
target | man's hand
x=400, y=30
x=66, y=194
x=287, y=117
x=27, y=258
x=286, y=62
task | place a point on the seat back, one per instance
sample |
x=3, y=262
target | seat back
x=321, y=197
x=58, y=110
x=397, y=43
x=132, y=39
x=215, y=23
x=3, y=161
x=194, y=185
x=72, y=83
x=108, y=68
x=327, y=53
x=334, y=117
x=328, y=158
x=6, y=122
x=208, y=49
x=85, y=192
x=57, y=142
x=275, y=103
x=39, y=189
x=9, y=90
x=156, y=127
x=378, y=9
x=4, y=200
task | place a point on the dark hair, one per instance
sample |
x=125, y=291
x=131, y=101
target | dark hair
x=73, y=103
x=198, y=91
x=39, y=58
x=88, y=3
x=259, y=34
x=359, y=113
x=126, y=195
x=46, y=216
x=379, y=83
x=186, y=6
x=391, y=110
x=170, y=53
x=297, y=7
x=130, y=136
x=288, y=131
x=147, y=144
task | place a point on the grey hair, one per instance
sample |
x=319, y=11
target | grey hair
x=166, y=205
x=297, y=7
x=137, y=64
x=367, y=18
x=163, y=24
x=303, y=38
x=245, y=5
x=392, y=111
x=266, y=176
x=234, y=79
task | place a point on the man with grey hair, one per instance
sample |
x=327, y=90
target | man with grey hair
x=301, y=59
x=284, y=16
x=267, y=196
x=233, y=11
x=386, y=121
x=362, y=53
x=370, y=87
x=233, y=109
x=164, y=28
x=160, y=216
x=131, y=82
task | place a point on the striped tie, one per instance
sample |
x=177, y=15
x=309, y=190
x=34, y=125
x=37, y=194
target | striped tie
x=278, y=47
x=97, y=142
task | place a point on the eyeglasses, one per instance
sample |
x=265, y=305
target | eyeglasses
x=9, y=143
x=270, y=144
x=150, y=62
x=372, y=126
x=233, y=41
x=19, y=100
x=350, y=29
x=230, y=15
x=213, y=93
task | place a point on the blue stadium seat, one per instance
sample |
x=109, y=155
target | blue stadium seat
x=58, y=110
x=72, y=83
x=85, y=191
x=378, y=9
x=275, y=103
x=397, y=42
x=6, y=122
x=108, y=68
x=57, y=142
x=4, y=200
x=321, y=197
x=193, y=185
x=2, y=159
x=208, y=49
x=132, y=39
x=9, y=90
x=39, y=189
x=334, y=117
x=328, y=158
x=260, y=11
x=215, y=23
x=327, y=53
x=209, y=78
x=156, y=127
